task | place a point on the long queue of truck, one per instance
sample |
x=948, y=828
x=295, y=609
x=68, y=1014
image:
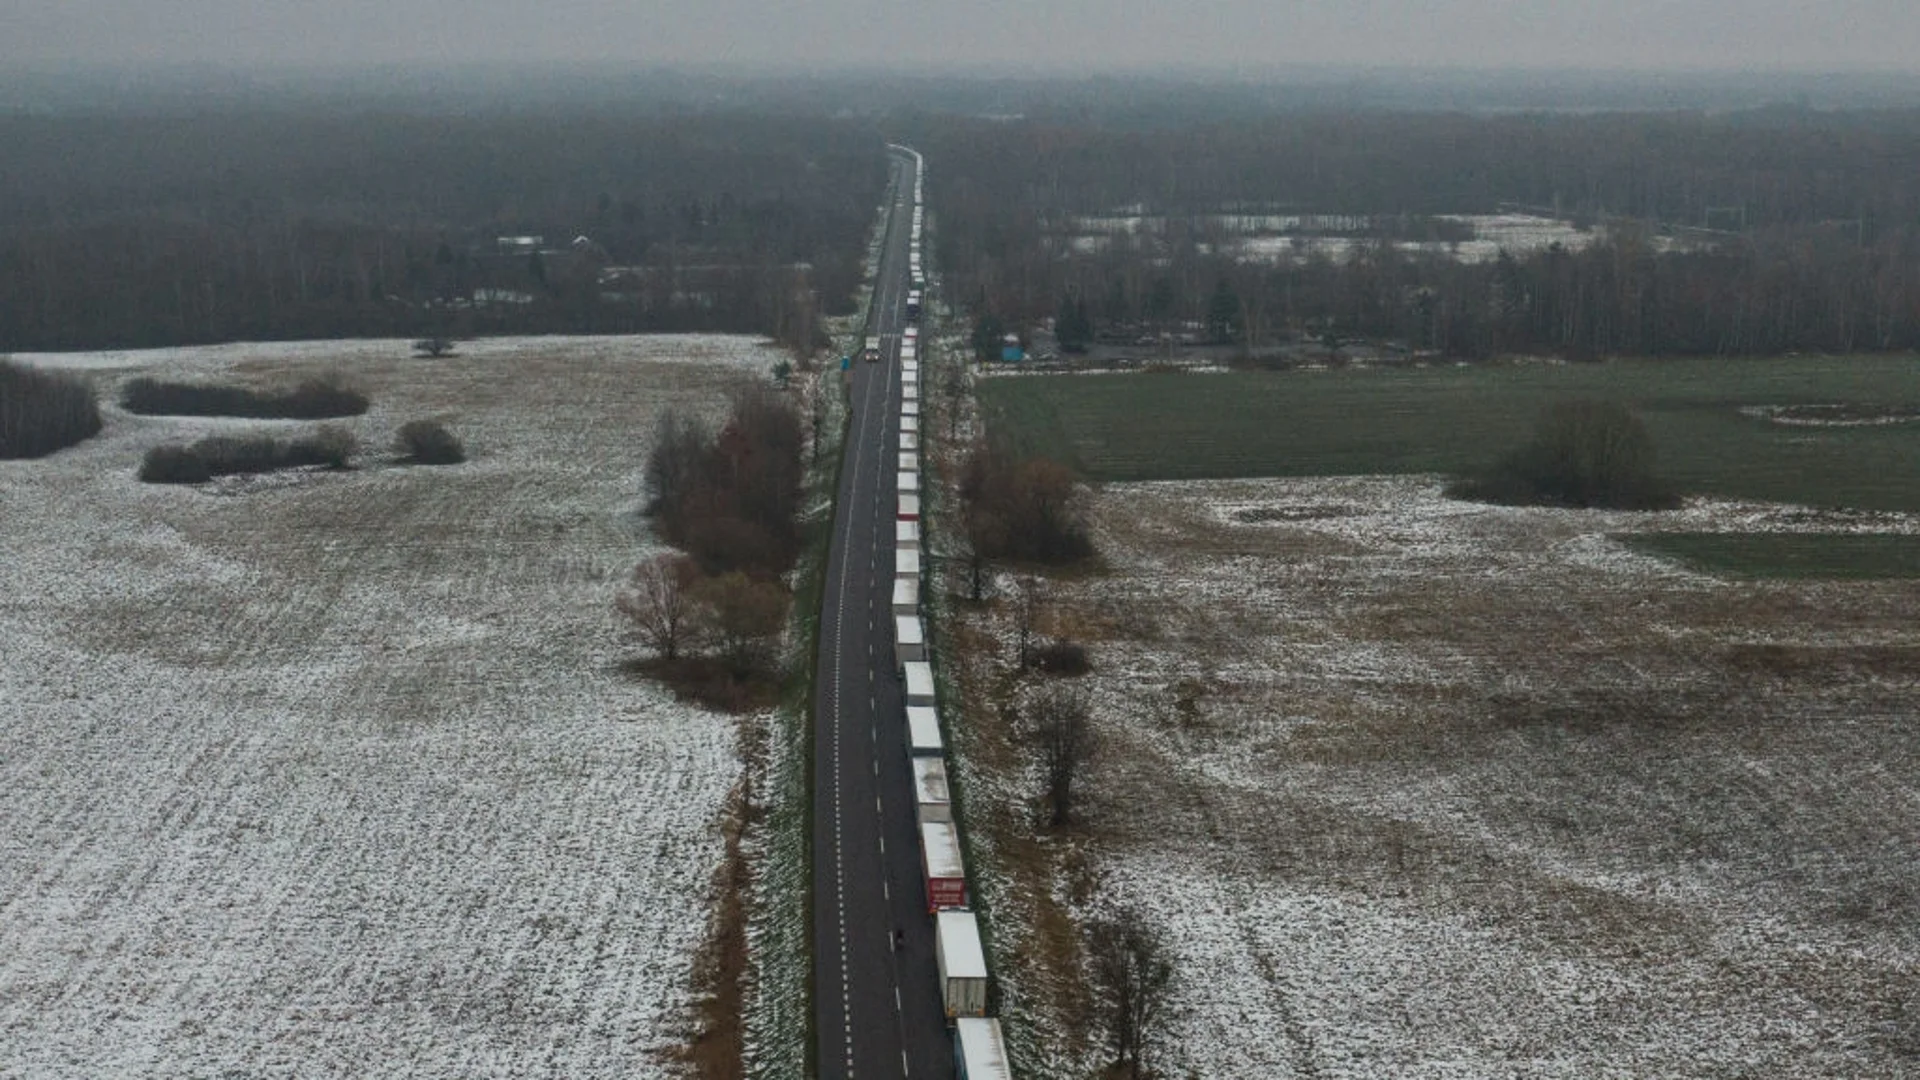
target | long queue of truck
x=979, y=1050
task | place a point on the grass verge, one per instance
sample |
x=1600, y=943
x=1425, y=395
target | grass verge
x=1717, y=425
x=1842, y=556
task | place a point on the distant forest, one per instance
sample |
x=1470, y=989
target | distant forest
x=1798, y=229
x=344, y=208
x=124, y=230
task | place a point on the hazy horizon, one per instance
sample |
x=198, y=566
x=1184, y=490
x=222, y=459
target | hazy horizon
x=1243, y=38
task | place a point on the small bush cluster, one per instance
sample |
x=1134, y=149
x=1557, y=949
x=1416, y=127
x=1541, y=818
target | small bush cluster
x=1592, y=454
x=1023, y=510
x=714, y=615
x=314, y=399
x=43, y=411
x=227, y=455
x=428, y=442
x=732, y=499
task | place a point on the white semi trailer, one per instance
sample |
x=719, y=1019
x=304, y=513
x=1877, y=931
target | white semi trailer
x=979, y=1050
x=962, y=964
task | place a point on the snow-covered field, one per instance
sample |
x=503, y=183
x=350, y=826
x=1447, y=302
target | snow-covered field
x=1422, y=788
x=338, y=775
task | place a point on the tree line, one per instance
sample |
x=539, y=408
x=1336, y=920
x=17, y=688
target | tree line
x=126, y=231
x=1759, y=232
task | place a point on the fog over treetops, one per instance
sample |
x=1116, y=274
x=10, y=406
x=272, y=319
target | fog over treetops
x=1247, y=36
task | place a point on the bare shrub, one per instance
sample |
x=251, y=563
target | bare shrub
x=43, y=411
x=331, y=446
x=746, y=616
x=312, y=399
x=1023, y=510
x=227, y=455
x=174, y=465
x=1065, y=658
x=731, y=499
x=1584, y=454
x=428, y=442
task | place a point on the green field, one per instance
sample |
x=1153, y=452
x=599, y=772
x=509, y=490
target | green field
x=1456, y=418
x=1788, y=555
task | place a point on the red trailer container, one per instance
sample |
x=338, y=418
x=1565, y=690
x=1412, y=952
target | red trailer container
x=946, y=878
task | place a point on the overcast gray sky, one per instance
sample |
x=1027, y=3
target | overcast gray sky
x=1051, y=34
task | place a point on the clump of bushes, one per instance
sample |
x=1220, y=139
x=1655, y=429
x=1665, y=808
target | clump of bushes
x=428, y=442
x=228, y=455
x=1023, y=510
x=1583, y=454
x=43, y=411
x=313, y=399
x=731, y=499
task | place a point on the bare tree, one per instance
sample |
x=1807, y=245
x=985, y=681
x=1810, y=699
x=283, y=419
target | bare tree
x=1131, y=978
x=983, y=536
x=1027, y=606
x=659, y=600
x=1063, y=727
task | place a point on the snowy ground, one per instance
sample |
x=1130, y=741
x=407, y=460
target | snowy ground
x=1421, y=788
x=337, y=775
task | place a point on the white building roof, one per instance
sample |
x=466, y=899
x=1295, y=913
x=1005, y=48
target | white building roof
x=960, y=944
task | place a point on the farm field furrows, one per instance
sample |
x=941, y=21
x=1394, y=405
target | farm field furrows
x=1711, y=421
x=338, y=774
x=1423, y=788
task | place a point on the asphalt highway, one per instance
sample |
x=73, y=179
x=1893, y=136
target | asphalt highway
x=876, y=996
